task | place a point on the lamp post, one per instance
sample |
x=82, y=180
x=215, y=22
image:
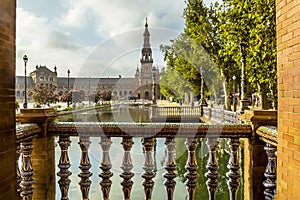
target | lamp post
x=244, y=102
x=234, y=101
x=202, y=100
x=68, y=86
x=153, y=86
x=89, y=88
x=25, y=59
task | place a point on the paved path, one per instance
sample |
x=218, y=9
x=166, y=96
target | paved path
x=166, y=103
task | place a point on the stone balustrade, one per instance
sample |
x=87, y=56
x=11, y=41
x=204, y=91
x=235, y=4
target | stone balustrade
x=219, y=115
x=127, y=131
x=268, y=134
x=31, y=138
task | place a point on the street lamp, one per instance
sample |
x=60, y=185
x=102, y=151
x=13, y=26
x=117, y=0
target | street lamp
x=234, y=101
x=202, y=100
x=244, y=102
x=153, y=86
x=25, y=59
x=68, y=86
x=89, y=88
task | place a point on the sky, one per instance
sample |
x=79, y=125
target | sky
x=93, y=38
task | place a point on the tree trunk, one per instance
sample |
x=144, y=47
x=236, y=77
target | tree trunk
x=227, y=96
x=263, y=90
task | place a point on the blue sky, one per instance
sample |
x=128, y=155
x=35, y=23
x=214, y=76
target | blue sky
x=93, y=37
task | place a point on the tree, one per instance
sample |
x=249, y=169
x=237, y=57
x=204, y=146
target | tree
x=253, y=22
x=185, y=59
x=44, y=95
x=73, y=96
x=202, y=25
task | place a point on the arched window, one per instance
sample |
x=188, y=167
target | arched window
x=146, y=95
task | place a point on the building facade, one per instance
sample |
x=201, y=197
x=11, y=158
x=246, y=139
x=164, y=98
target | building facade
x=144, y=85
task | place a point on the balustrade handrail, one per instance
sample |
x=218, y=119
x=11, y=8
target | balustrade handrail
x=27, y=131
x=220, y=115
x=176, y=111
x=154, y=130
x=147, y=131
x=268, y=134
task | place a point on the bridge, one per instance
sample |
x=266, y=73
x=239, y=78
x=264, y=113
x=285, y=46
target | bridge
x=35, y=147
x=192, y=114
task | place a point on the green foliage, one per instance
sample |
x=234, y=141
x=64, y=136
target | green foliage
x=212, y=40
x=253, y=22
x=44, y=95
x=185, y=58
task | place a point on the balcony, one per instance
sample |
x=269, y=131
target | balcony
x=36, y=155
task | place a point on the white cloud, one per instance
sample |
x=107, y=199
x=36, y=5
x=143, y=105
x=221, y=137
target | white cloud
x=60, y=40
x=44, y=44
x=116, y=16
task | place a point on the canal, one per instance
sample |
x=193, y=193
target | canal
x=141, y=114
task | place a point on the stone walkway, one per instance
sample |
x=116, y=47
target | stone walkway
x=166, y=103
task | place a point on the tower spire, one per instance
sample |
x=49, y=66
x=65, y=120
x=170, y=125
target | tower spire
x=146, y=36
x=146, y=51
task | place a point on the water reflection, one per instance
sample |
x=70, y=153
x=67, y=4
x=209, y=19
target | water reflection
x=135, y=114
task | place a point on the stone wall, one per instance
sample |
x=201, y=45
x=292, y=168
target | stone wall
x=288, y=39
x=7, y=100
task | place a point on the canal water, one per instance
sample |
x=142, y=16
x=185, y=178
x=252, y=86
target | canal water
x=140, y=114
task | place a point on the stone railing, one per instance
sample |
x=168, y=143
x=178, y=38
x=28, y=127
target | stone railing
x=24, y=134
x=175, y=114
x=219, y=115
x=127, y=131
x=177, y=111
x=268, y=134
x=36, y=152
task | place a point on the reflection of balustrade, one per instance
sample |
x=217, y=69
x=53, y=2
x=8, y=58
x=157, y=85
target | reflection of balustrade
x=128, y=131
x=268, y=134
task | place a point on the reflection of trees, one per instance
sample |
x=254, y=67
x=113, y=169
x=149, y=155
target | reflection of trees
x=139, y=115
x=202, y=157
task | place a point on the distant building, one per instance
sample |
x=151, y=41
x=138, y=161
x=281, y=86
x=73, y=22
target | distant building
x=140, y=86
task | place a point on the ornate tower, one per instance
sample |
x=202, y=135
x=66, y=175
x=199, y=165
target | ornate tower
x=146, y=66
x=147, y=78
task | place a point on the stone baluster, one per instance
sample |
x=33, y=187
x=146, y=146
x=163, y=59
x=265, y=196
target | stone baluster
x=64, y=165
x=26, y=170
x=105, y=166
x=127, y=167
x=270, y=172
x=191, y=166
x=19, y=177
x=170, y=167
x=212, y=167
x=233, y=166
x=85, y=165
x=149, y=167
